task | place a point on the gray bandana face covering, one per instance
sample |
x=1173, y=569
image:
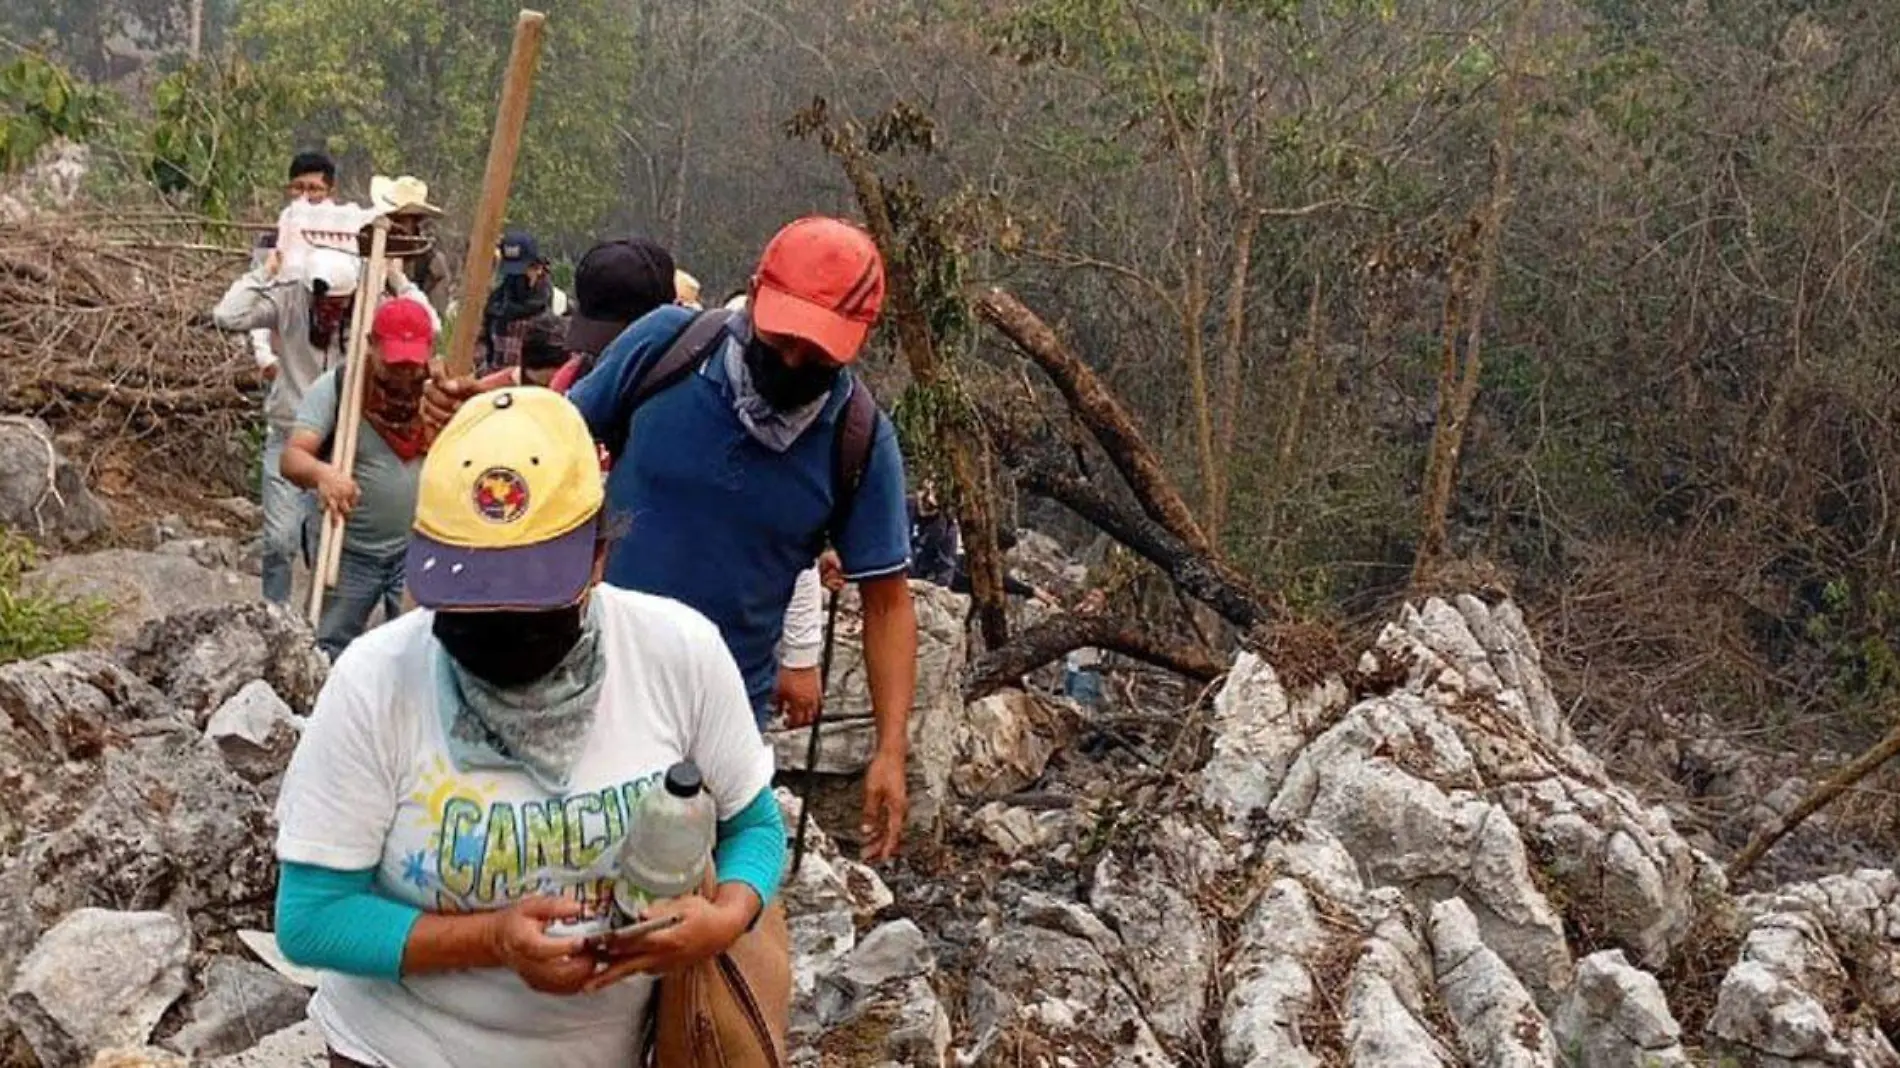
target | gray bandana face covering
x=767, y=425
x=539, y=728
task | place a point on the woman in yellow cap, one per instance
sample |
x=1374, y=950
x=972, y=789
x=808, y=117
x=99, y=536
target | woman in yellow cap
x=471, y=770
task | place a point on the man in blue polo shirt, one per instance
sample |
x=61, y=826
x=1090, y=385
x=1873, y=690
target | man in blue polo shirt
x=727, y=478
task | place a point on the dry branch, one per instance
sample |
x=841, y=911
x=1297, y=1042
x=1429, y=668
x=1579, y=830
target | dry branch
x=1100, y=411
x=1203, y=577
x=115, y=344
x=1819, y=798
x=1050, y=641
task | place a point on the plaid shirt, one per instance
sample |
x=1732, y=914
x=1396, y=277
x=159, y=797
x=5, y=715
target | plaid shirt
x=504, y=347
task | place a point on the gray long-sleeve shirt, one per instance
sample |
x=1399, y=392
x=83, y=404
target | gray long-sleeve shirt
x=255, y=302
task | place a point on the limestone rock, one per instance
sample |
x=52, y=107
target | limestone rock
x=215, y=553
x=294, y=1047
x=202, y=657
x=149, y=822
x=57, y=714
x=825, y=901
x=1259, y=730
x=140, y=586
x=255, y=730
x=1046, y=993
x=1860, y=912
x=1499, y=1025
x=879, y=1005
x=1018, y=831
x=142, y=1057
x=1005, y=740
x=42, y=495
x=1325, y=970
x=1618, y=861
x=848, y=734
x=1615, y=1016
x=243, y=1003
x=1169, y=946
x=1395, y=784
x=1811, y=952
x=99, y=979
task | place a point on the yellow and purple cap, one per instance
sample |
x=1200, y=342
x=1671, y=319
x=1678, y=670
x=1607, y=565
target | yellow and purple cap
x=506, y=506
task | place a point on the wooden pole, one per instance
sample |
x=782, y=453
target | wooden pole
x=369, y=292
x=478, y=266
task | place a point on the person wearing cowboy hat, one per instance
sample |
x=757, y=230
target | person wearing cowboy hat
x=407, y=198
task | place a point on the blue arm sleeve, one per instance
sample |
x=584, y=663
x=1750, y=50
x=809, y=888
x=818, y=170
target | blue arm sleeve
x=604, y=393
x=875, y=541
x=750, y=847
x=335, y=920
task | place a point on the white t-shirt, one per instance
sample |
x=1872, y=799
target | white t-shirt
x=372, y=785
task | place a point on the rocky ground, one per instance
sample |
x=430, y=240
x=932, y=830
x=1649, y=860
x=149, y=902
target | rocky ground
x=1409, y=863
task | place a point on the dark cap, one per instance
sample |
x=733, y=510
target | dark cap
x=614, y=284
x=518, y=253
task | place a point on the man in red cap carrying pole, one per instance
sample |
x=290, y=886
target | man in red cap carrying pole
x=742, y=445
x=379, y=502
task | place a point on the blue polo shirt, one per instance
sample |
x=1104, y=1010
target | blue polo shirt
x=718, y=520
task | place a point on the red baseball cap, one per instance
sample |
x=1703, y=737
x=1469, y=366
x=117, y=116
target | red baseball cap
x=820, y=279
x=403, y=331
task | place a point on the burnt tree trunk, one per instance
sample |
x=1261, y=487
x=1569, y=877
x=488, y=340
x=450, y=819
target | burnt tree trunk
x=1111, y=424
x=969, y=459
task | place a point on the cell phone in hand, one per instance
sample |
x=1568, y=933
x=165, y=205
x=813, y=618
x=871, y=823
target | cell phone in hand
x=622, y=941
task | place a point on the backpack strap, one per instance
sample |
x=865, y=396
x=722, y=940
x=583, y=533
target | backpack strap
x=689, y=349
x=851, y=454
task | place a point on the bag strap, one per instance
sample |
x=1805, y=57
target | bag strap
x=851, y=454
x=689, y=349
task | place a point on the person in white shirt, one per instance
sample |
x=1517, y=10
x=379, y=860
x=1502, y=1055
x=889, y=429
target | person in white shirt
x=471, y=768
x=313, y=179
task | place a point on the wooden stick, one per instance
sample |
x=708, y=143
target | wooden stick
x=351, y=430
x=479, y=265
x=1823, y=795
x=350, y=410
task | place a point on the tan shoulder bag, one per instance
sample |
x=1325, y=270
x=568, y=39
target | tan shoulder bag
x=733, y=1010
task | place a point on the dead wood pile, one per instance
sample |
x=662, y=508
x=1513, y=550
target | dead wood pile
x=106, y=333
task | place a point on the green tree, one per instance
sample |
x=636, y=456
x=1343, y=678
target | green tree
x=416, y=94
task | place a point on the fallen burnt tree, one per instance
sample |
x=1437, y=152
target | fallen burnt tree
x=1054, y=639
x=1159, y=526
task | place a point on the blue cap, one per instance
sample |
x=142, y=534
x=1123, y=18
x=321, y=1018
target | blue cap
x=518, y=253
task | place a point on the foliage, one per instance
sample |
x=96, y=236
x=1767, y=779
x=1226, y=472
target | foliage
x=38, y=623
x=40, y=103
x=215, y=135
x=416, y=94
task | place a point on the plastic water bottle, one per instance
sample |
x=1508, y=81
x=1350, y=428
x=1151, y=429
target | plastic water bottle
x=669, y=841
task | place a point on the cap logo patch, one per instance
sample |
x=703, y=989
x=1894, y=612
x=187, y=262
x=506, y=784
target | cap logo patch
x=501, y=495
x=509, y=252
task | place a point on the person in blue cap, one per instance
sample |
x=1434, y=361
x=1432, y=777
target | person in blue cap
x=524, y=291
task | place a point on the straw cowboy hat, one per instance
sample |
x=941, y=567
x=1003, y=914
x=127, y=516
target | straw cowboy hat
x=395, y=196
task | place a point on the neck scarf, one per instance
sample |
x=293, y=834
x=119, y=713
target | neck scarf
x=396, y=418
x=538, y=728
x=515, y=299
x=767, y=425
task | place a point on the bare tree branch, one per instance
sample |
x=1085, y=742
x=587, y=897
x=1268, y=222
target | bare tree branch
x=1048, y=642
